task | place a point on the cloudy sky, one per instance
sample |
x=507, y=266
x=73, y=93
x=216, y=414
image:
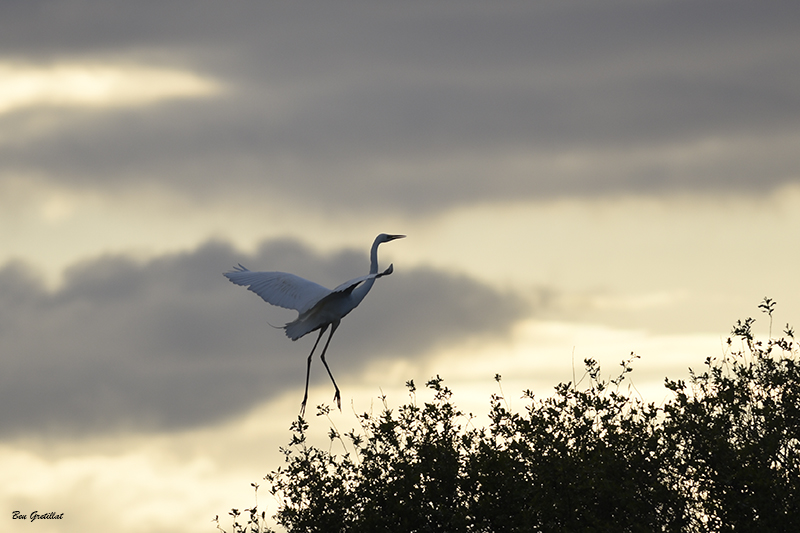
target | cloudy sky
x=576, y=179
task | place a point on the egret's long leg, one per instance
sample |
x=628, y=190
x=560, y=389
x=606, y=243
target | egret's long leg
x=308, y=368
x=336, y=396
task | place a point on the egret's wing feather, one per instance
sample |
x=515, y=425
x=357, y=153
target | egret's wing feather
x=280, y=288
x=348, y=286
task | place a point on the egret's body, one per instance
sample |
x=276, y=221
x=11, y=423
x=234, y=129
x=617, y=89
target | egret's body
x=317, y=307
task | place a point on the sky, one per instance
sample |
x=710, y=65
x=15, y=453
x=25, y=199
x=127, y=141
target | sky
x=576, y=179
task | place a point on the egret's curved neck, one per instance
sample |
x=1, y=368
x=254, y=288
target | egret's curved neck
x=373, y=257
x=361, y=291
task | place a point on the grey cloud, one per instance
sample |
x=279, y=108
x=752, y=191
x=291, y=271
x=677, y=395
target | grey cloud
x=329, y=101
x=170, y=343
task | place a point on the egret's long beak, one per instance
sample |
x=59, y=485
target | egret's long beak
x=393, y=237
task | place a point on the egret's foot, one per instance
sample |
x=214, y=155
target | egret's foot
x=338, y=399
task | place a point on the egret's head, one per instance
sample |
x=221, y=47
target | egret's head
x=383, y=237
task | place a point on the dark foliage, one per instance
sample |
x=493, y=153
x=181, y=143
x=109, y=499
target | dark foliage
x=733, y=437
x=723, y=454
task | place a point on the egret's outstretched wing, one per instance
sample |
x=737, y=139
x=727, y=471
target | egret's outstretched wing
x=280, y=288
x=348, y=286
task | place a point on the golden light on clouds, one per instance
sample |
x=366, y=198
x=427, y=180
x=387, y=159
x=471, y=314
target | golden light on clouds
x=96, y=85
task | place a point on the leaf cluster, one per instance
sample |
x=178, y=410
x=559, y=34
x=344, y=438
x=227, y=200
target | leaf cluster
x=722, y=454
x=733, y=436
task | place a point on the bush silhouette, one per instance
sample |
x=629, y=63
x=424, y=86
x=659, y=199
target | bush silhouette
x=723, y=454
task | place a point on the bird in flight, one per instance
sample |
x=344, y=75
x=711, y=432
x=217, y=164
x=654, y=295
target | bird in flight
x=317, y=307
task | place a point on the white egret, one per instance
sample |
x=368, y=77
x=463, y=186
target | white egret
x=317, y=307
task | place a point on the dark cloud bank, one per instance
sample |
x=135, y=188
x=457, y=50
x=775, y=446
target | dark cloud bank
x=354, y=103
x=171, y=343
